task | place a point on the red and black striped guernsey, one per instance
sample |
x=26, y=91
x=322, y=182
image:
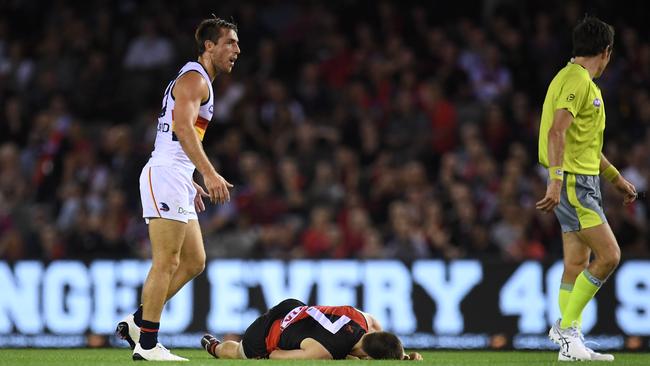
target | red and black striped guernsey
x=337, y=328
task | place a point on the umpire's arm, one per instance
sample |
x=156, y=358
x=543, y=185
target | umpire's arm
x=562, y=119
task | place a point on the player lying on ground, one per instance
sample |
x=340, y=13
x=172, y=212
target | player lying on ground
x=293, y=330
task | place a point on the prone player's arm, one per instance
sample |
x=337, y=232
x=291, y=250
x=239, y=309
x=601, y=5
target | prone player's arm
x=299, y=354
x=309, y=350
x=562, y=120
x=189, y=91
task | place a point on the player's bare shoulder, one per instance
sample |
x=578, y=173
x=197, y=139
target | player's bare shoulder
x=191, y=86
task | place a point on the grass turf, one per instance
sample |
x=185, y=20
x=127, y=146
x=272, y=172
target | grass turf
x=101, y=357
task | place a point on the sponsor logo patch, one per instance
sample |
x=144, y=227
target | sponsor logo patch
x=164, y=207
x=597, y=102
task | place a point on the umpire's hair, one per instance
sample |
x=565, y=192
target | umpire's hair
x=210, y=30
x=382, y=346
x=592, y=36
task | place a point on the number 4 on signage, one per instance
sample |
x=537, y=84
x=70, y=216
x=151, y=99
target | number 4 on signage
x=523, y=295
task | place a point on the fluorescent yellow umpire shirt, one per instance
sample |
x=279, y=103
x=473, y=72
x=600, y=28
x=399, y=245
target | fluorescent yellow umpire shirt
x=572, y=89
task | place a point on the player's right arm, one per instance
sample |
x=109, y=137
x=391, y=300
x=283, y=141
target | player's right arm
x=189, y=91
x=310, y=349
x=562, y=120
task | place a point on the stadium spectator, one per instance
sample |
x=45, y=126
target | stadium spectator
x=413, y=130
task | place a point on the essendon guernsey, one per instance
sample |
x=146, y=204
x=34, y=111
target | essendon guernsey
x=337, y=328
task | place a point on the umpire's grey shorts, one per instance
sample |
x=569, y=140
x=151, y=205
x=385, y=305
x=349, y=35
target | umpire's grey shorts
x=581, y=204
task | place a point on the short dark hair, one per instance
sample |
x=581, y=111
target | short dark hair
x=592, y=36
x=211, y=30
x=382, y=346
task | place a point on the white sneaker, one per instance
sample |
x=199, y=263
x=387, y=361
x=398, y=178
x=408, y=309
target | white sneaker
x=572, y=347
x=127, y=330
x=555, y=336
x=158, y=353
x=554, y=333
x=595, y=356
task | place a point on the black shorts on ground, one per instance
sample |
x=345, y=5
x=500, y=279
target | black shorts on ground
x=254, y=339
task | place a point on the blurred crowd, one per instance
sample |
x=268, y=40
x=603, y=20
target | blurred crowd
x=350, y=129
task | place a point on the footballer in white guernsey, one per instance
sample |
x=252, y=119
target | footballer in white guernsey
x=170, y=197
x=166, y=186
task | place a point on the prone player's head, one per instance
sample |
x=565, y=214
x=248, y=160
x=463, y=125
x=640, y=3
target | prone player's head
x=217, y=40
x=382, y=346
x=593, y=38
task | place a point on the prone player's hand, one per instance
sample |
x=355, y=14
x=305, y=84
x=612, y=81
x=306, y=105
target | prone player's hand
x=626, y=188
x=552, y=197
x=217, y=188
x=413, y=356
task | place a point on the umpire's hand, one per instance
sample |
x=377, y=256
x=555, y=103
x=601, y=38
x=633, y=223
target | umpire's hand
x=626, y=188
x=552, y=197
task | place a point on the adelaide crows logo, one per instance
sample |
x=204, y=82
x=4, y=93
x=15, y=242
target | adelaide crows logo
x=164, y=207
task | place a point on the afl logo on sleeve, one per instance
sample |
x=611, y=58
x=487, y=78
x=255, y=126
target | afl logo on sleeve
x=597, y=102
x=211, y=108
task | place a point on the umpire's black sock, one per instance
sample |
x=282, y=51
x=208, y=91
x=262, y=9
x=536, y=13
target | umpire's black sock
x=149, y=334
x=137, y=316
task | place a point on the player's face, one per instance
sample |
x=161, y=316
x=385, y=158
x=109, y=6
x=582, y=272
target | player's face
x=225, y=51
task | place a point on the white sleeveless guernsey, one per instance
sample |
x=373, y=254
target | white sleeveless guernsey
x=166, y=185
x=167, y=149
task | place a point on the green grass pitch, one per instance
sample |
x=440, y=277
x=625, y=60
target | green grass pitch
x=102, y=357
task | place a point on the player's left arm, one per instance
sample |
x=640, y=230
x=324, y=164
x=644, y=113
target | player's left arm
x=310, y=349
x=609, y=172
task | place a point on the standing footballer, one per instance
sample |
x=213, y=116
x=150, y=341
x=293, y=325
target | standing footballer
x=170, y=197
x=570, y=146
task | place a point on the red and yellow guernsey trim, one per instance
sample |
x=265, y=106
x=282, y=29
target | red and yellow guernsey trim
x=200, y=125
